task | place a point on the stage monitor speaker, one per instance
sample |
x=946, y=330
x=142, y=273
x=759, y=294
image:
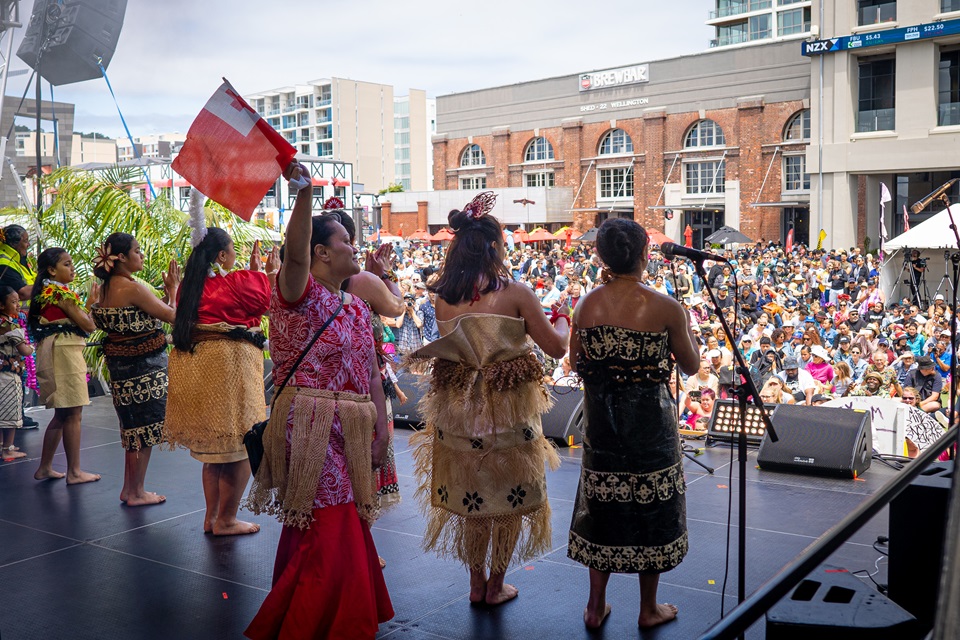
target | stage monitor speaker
x=819, y=441
x=832, y=604
x=918, y=524
x=77, y=32
x=406, y=414
x=565, y=420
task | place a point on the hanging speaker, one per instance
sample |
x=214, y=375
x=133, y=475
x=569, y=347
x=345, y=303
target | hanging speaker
x=72, y=35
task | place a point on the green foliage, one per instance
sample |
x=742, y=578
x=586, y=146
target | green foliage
x=391, y=188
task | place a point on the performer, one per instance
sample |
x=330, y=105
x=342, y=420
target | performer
x=216, y=369
x=630, y=513
x=480, y=459
x=13, y=349
x=317, y=474
x=59, y=325
x=135, y=349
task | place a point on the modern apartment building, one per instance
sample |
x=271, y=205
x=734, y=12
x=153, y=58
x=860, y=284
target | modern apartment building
x=747, y=22
x=385, y=137
x=161, y=145
x=885, y=104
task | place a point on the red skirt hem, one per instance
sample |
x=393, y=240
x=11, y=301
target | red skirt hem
x=327, y=582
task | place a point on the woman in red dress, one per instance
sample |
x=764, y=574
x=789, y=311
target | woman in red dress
x=320, y=451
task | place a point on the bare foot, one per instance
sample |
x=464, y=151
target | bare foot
x=48, y=474
x=383, y=563
x=82, y=477
x=13, y=455
x=146, y=498
x=237, y=528
x=478, y=587
x=665, y=613
x=592, y=620
x=506, y=593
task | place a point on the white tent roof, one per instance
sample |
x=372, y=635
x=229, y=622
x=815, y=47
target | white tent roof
x=933, y=233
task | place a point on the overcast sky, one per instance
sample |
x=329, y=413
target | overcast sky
x=172, y=53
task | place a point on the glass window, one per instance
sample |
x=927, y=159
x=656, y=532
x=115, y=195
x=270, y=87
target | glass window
x=401, y=138
x=876, y=11
x=876, y=105
x=474, y=182
x=798, y=127
x=325, y=149
x=401, y=122
x=705, y=177
x=473, y=157
x=949, y=88
x=401, y=108
x=793, y=21
x=616, y=142
x=538, y=150
x=795, y=176
x=542, y=179
x=946, y=6
x=616, y=183
x=730, y=34
x=705, y=133
x=759, y=27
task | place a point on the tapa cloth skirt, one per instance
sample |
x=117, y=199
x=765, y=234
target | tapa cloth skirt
x=62, y=372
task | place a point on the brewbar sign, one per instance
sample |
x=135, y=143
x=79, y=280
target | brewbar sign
x=614, y=77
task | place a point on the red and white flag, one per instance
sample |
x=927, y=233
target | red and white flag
x=231, y=154
x=906, y=219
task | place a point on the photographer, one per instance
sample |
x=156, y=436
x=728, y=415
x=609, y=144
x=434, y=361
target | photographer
x=918, y=267
x=407, y=327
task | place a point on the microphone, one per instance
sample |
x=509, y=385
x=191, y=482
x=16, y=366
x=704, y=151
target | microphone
x=672, y=249
x=923, y=204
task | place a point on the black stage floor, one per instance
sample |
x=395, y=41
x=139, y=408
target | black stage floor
x=75, y=564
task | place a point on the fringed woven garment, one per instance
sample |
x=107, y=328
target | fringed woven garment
x=286, y=483
x=480, y=460
x=216, y=392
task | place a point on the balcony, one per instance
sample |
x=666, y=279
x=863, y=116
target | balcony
x=324, y=101
x=287, y=108
x=273, y=112
x=728, y=9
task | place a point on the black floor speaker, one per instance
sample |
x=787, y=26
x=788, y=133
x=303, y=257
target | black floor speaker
x=77, y=32
x=918, y=523
x=564, y=422
x=824, y=441
x=831, y=604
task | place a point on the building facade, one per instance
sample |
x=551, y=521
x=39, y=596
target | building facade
x=885, y=92
x=739, y=23
x=712, y=139
x=161, y=145
x=356, y=123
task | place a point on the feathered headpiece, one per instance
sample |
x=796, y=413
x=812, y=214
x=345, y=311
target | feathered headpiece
x=481, y=205
x=105, y=258
x=198, y=220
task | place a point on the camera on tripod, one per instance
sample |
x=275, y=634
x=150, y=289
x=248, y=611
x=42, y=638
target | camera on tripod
x=920, y=263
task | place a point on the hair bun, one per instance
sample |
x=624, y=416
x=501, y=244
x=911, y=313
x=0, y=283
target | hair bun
x=457, y=219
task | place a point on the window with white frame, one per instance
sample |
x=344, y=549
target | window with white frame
x=704, y=177
x=472, y=183
x=705, y=133
x=616, y=182
x=793, y=21
x=538, y=150
x=795, y=176
x=540, y=179
x=473, y=156
x=798, y=126
x=616, y=142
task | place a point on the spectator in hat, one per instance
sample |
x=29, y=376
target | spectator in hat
x=942, y=352
x=928, y=382
x=872, y=386
x=747, y=347
x=798, y=382
x=904, y=365
x=724, y=300
x=820, y=367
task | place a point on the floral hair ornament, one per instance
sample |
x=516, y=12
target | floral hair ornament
x=104, y=258
x=481, y=205
x=333, y=203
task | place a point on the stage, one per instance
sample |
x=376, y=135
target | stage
x=75, y=563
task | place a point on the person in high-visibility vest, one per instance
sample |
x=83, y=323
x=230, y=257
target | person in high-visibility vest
x=16, y=273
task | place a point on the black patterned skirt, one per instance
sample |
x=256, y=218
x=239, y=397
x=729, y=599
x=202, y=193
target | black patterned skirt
x=139, y=388
x=630, y=512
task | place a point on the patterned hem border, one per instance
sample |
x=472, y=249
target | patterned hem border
x=642, y=488
x=627, y=559
x=149, y=435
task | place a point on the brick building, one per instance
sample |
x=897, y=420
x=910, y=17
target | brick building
x=712, y=139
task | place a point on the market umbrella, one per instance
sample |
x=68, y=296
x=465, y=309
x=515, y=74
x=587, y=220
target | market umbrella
x=727, y=235
x=561, y=232
x=442, y=236
x=590, y=235
x=658, y=238
x=540, y=235
x=520, y=235
x=419, y=234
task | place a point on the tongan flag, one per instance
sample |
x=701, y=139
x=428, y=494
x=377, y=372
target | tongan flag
x=231, y=154
x=906, y=219
x=789, y=246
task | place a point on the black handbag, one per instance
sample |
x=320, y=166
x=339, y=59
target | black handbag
x=253, y=439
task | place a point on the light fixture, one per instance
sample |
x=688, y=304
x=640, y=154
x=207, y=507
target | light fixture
x=725, y=422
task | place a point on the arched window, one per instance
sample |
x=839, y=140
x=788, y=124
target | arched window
x=538, y=150
x=473, y=157
x=705, y=133
x=798, y=127
x=616, y=142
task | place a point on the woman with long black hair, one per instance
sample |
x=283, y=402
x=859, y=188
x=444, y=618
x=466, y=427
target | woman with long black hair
x=135, y=349
x=216, y=371
x=480, y=460
x=59, y=325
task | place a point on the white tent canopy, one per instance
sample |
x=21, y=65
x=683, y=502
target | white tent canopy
x=932, y=238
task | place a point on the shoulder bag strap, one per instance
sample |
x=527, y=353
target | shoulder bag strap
x=303, y=353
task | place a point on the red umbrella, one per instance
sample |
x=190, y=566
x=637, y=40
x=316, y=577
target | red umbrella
x=442, y=236
x=419, y=234
x=688, y=237
x=540, y=235
x=658, y=238
x=520, y=235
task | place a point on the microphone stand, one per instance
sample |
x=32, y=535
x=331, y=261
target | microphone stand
x=742, y=392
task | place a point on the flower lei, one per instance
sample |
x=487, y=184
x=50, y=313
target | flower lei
x=480, y=205
x=54, y=293
x=105, y=258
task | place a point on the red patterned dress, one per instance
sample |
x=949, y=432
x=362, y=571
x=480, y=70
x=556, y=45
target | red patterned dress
x=327, y=578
